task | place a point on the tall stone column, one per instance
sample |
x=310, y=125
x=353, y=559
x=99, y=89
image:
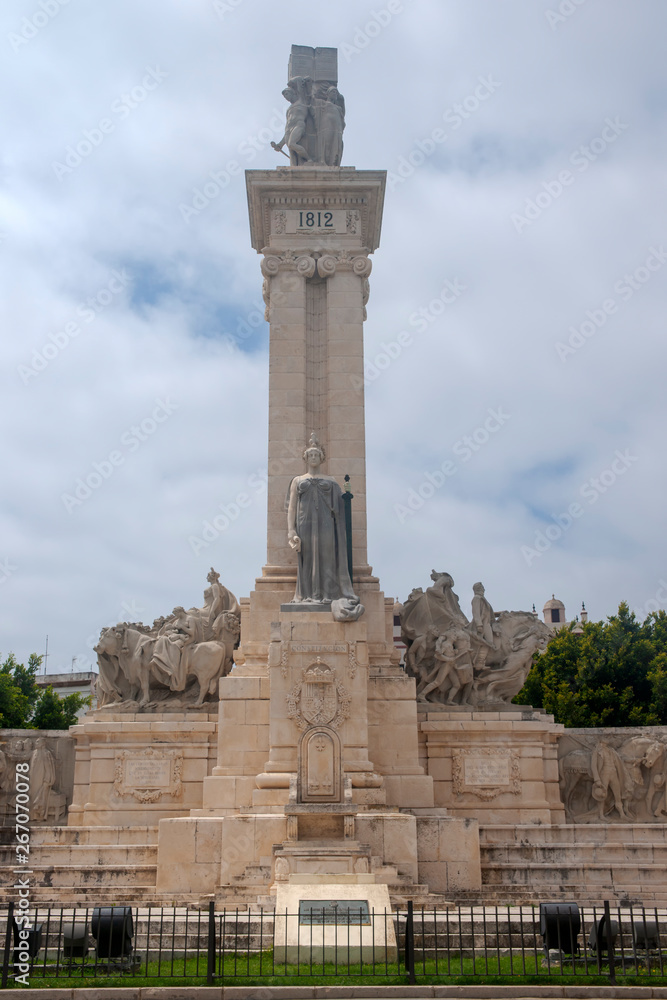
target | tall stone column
x=315, y=227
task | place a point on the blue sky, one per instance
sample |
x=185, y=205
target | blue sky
x=541, y=200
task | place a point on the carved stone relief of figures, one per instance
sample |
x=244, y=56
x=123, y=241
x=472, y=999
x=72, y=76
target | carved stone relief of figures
x=175, y=663
x=48, y=771
x=613, y=775
x=479, y=663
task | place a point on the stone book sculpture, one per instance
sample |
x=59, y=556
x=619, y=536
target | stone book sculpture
x=316, y=115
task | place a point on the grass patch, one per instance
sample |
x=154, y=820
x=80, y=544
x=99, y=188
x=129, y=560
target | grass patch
x=261, y=970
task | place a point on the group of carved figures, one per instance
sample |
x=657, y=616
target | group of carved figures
x=614, y=778
x=41, y=779
x=163, y=662
x=315, y=123
x=460, y=662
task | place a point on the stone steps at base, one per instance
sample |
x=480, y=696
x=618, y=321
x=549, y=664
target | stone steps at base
x=536, y=874
x=83, y=896
x=109, y=855
x=82, y=876
x=574, y=854
x=582, y=894
x=113, y=835
x=576, y=835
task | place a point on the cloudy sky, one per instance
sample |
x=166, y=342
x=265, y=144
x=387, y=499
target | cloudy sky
x=524, y=251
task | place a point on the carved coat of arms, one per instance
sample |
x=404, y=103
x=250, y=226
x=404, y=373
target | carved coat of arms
x=319, y=699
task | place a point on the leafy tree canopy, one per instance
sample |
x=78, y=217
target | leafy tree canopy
x=613, y=673
x=25, y=705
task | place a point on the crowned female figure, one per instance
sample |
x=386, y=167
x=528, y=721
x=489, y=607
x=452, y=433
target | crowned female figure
x=316, y=532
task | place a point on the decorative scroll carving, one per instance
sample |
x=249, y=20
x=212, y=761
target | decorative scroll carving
x=326, y=266
x=352, y=661
x=279, y=222
x=319, y=699
x=148, y=774
x=305, y=266
x=270, y=266
x=352, y=221
x=362, y=266
x=617, y=776
x=479, y=663
x=485, y=772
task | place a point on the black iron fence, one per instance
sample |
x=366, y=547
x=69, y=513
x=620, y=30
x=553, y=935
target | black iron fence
x=413, y=944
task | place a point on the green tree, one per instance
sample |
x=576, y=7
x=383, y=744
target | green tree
x=54, y=712
x=24, y=705
x=611, y=673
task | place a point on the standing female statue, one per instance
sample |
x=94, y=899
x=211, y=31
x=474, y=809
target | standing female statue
x=316, y=531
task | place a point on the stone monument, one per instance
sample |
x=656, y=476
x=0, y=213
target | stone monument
x=274, y=745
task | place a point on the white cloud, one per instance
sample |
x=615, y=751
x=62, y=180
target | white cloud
x=172, y=331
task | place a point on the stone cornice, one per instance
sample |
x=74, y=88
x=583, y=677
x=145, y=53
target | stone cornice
x=325, y=187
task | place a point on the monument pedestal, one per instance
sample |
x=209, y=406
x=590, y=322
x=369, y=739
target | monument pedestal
x=496, y=767
x=135, y=770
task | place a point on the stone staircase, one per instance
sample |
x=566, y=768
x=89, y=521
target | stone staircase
x=253, y=888
x=587, y=863
x=113, y=865
x=86, y=866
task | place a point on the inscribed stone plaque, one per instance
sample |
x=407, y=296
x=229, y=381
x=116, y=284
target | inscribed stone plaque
x=487, y=771
x=334, y=911
x=148, y=774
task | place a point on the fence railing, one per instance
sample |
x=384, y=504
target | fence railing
x=405, y=944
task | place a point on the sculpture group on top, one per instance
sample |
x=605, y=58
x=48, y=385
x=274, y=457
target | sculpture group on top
x=478, y=663
x=316, y=115
x=176, y=662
